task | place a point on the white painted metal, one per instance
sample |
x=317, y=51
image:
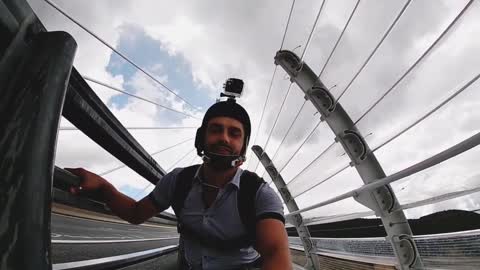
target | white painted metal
x=457, y=250
x=427, y=163
x=433, y=200
x=381, y=200
x=102, y=262
x=92, y=241
x=132, y=128
x=296, y=220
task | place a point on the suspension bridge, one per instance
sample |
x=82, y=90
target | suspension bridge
x=358, y=165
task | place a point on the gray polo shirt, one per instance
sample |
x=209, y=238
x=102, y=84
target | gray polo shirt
x=221, y=220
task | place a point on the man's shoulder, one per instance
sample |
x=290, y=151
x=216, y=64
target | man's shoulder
x=188, y=170
x=251, y=175
x=252, y=183
x=257, y=184
x=184, y=171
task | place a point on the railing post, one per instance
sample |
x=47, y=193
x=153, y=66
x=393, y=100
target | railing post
x=296, y=220
x=34, y=73
x=382, y=200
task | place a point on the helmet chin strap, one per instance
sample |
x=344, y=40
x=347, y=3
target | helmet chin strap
x=222, y=162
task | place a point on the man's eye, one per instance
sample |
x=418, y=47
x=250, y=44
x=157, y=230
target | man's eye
x=235, y=133
x=215, y=129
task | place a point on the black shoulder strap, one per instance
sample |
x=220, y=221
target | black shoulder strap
x=183, y=185
x=249, y=184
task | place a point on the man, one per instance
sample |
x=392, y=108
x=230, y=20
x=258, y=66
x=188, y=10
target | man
x=225, y=214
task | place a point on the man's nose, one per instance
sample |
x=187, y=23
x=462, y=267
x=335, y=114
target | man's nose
x=224, y=136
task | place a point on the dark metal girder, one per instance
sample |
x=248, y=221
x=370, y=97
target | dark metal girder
x=87, y=112
x=34, y=74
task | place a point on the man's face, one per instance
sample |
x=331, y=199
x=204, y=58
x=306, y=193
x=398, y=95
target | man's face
x=224, y=136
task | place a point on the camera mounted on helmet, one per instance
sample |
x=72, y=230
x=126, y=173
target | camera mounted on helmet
x=233, y=88
x=229, y=108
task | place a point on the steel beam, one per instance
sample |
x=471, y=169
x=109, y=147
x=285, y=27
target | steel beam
x=381, y=200
x=87, y=112
x=296, y=220
x=35, y=70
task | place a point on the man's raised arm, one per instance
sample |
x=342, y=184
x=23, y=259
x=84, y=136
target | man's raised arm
x=121, y=205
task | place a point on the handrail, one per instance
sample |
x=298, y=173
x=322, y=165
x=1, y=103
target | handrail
x=425, y=164
x=428, y=201
x=63, y=180
x=115, y=261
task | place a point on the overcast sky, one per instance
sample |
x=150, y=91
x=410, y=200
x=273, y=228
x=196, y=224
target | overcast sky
x=194, y=46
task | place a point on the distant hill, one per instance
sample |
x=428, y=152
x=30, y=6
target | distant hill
x=440, y=222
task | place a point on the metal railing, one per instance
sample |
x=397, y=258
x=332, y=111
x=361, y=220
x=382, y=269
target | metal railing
x=63, y=180
x=116, y=262
x=441, y=251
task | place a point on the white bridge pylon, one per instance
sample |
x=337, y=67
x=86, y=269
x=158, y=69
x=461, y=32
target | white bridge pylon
x=381, y=200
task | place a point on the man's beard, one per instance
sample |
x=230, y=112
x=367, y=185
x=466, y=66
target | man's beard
x=221, y=162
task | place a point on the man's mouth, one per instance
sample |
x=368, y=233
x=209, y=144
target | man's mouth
x=222, y=150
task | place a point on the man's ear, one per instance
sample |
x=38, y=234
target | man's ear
x=200, y=139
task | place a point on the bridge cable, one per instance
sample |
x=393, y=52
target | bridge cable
x=169, y=169
x=276, y=121
x=338, y=40
x=324, y=180
x=286, y=27
x=326, y=63
x=445, y=31
x=307, y=44
x=152, y=154
x=319, y=75
x=117, y=52
x=360, y=70
x=301, y=58
x=263, y=111
x=451, y=97
x=286, y=134
x=397, y=82
x=137, y=97
x=311, y=163
x=179, y=160
x=400, y=14
x=192, y=161
x=273, y=76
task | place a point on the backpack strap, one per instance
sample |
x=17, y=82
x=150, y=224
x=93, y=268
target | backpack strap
x=250, y=182
x=183, y=185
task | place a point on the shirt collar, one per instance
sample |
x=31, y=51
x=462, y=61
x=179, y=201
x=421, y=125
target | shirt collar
x=235, y=180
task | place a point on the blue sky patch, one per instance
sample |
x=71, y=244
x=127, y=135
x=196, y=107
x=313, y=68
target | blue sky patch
x=150, y=54
x=131, y=190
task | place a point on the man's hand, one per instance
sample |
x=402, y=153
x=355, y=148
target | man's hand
x=91, y=184
x=121, y=205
